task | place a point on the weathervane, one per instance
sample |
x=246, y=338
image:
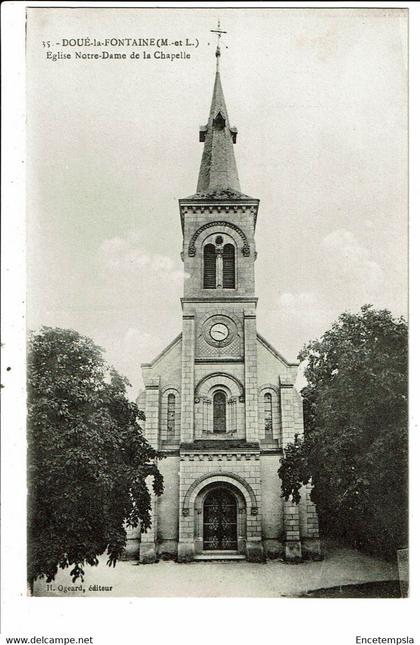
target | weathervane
x=219, y=33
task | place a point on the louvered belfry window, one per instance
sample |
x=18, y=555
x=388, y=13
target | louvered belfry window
x=268, y=415
x=209, y=267
x=219, y=412
x=170, y=424
x=228, y=267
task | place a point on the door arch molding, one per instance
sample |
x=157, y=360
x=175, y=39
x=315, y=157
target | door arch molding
x=223, y=477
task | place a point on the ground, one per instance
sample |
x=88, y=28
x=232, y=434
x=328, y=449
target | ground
x=341, y=566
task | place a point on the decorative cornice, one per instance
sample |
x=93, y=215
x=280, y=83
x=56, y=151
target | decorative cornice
x=220, y=359
x=271, y=451
x=218, y=455
x=218, y=196
x=221, y=299
x=168, y=448
x=216, y=446
x=206, y=205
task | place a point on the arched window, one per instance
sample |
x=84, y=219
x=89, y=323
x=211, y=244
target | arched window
x=228, y=266
x=170, y=418
x=209, y=267
x=268, y=415
x=219, y=412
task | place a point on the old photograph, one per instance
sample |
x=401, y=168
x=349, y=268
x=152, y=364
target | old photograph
x=217, y=302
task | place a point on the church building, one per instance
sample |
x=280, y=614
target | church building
x=220, y=401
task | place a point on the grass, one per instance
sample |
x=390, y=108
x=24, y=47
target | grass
x=382, y=589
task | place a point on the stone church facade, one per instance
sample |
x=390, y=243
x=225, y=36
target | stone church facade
x=220, y=401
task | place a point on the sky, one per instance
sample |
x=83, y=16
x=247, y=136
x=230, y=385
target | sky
x=319, y=99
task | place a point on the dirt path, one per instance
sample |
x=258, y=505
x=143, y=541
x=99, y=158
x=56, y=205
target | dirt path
x=214, y=579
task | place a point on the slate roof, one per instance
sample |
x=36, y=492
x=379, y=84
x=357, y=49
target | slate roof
x=218, y=173
x=218, y=194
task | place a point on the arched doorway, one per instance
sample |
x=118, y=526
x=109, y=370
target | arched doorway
x=220, y=521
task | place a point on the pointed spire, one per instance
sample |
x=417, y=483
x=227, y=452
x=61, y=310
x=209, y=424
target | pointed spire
x=218, y=172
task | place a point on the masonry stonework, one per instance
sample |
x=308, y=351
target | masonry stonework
x=220, y=401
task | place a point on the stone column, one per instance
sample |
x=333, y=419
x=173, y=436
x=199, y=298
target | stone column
x=187, y=393
x=148, y=540
x=207, y=415
x=311, y=545
x=288, y=425
x=147, y=552
x=306, y=542
x=251, y=388
x=232, y=424
x=254, y=548
x=186, y=548
x=132, y=547
x=219, y=268
x=151, y=430
x=293, y=547
x=251, y=471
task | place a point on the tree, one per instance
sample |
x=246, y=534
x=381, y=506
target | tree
x=88, y=461
x=354, y=450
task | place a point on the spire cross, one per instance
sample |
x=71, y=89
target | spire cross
x=219, y=33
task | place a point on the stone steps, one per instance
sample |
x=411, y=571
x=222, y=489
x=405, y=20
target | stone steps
x=220, y=555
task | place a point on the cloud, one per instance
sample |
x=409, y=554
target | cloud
x=301, y=303
x=294, y=318
x=144, y=344
x=350, y=264
x=136, y=347
x=324, y=45
x=305, y=313
x=127, y=347
x=131, y=277
x=344, y=277
x=126, y=258
x=136, y=300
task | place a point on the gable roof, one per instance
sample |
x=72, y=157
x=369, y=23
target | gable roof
x=275, y=353
x=163, y=352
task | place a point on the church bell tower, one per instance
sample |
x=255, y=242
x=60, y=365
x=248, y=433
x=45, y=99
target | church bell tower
x=219, y=303
x=220, y=401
